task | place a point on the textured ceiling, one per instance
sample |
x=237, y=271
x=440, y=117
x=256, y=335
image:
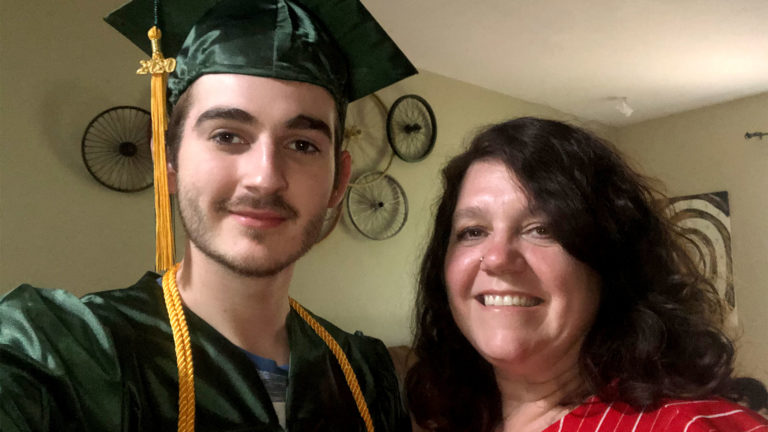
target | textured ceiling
x=579, y=56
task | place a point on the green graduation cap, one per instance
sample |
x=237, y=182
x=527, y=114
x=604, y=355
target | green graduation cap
x=335, y=44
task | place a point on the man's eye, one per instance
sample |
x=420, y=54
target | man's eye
x=227, y=138
x=303, y=146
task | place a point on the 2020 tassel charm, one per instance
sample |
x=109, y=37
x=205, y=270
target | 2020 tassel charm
x=159, y=67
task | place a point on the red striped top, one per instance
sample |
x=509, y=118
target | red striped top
x=713, y=415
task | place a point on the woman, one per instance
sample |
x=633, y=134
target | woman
x=553, y=296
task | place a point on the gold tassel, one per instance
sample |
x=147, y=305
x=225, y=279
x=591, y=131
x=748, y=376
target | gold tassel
x=159, y=67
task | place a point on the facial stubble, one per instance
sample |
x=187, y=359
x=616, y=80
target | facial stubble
x=200, y=232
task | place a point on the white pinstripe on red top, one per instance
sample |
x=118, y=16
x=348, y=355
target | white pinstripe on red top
x=711, y=415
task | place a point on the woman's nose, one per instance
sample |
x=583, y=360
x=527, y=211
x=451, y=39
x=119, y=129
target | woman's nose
x=503, y=255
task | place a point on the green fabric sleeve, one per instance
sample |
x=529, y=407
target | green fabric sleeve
x=58, y=370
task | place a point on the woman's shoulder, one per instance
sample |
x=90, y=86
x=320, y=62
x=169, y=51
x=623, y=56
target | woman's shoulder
x=674, y=415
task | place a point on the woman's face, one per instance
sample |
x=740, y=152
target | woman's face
x=520, y=299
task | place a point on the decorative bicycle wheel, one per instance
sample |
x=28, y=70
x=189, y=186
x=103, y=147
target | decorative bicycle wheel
x=332, y=217
x=116, y=150
x=411, y=128
x=378, y=209
x=365, y=136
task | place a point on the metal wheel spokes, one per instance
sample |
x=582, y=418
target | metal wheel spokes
x=116, y=151
x=365, y=135
x=378, y=209
x=330, y=221
x=411, y=128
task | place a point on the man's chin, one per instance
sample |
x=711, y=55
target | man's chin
x=255, y=271
x=253, y=268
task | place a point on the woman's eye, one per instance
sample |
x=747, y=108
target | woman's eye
x=227, y=138
x=539, y=232
x=470, y=233
x=303, y=146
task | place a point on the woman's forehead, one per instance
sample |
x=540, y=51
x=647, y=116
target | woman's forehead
x=485, y=184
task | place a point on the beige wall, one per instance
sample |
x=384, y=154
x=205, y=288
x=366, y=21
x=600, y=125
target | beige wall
x=59, y=228
x=705, y=151
x=60, y=66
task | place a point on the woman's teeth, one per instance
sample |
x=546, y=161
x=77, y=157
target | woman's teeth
x=510, y=300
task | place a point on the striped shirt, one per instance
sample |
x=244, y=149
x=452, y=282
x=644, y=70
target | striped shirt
x=712, y=415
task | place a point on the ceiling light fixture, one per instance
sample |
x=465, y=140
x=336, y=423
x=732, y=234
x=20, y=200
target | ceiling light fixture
x=623, y=107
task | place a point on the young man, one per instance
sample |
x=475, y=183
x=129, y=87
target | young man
x=260, y=90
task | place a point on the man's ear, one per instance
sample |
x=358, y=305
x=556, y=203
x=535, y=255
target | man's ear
x=344, y=170
x=172, y=178
x=171, y=170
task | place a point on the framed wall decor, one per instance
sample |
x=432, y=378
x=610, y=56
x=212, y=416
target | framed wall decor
x=706, y=220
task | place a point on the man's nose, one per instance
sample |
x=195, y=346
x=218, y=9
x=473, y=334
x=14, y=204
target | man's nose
x=263, y=169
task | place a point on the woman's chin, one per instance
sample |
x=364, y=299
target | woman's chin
x=503, y=355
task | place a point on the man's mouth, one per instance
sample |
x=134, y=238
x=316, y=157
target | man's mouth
x=272, y=207
x=259, y=218
x=259, y=214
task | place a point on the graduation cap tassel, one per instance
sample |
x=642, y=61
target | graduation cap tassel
x=159, y=67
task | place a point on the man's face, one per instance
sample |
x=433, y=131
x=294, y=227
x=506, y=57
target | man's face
x=255, y=170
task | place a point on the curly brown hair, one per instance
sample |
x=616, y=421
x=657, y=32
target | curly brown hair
x=657, y=333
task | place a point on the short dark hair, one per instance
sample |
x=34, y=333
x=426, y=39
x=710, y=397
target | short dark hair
x=657, y=333
x=180, y=112
x=175, y=131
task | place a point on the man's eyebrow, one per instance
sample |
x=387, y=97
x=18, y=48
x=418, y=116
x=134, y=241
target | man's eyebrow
x=302, y=121
x=225, y=113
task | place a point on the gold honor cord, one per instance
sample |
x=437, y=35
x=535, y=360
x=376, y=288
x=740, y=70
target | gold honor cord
x=159, y=67
x=183, y=351
x=349, y=374
x=184, y=355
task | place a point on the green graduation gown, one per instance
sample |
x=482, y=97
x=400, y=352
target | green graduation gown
x=106, y=362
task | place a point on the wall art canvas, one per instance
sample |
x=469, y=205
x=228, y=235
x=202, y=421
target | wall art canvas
x=706, y=219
